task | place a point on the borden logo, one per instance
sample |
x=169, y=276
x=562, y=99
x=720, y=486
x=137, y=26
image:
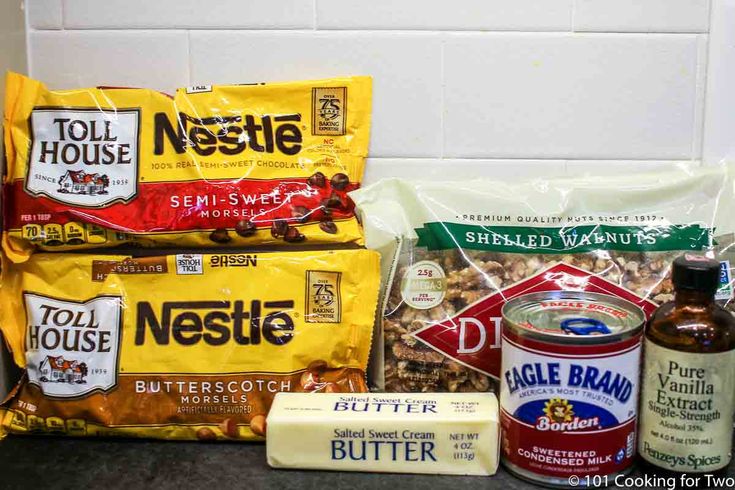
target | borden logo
x=71, y=347
x=82, y=157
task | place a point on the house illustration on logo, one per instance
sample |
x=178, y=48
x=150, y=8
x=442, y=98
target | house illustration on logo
x=80, y=182
x=59, y=370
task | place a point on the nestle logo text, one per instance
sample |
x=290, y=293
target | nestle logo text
x=228, y=135
x=216, y=322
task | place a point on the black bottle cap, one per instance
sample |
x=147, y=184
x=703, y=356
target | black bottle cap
x=696, y=272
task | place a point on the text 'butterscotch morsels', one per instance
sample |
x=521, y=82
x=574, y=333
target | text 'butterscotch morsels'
x=188, y=346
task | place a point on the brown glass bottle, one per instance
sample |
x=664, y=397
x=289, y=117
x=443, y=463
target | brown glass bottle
x=688, y=381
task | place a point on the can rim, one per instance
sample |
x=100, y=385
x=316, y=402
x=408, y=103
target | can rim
x=627, y=332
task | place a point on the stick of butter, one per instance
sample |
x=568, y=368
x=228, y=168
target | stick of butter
x=442, y=433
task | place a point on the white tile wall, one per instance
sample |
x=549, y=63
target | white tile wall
x=193, y=14
x=719, y=121
x=641, y=15
x=44, y=14
x=483, y=15
x=569, y=96
x=516, y=87
x=68, y=59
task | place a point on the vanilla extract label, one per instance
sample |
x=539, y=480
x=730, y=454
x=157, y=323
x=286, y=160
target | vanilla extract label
x=72, y=347
x=687, y=404
x=85, y=158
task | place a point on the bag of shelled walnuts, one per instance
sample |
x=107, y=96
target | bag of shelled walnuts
x=455, y=252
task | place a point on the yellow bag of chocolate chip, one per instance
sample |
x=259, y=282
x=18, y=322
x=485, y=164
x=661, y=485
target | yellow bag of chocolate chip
x=184, y=346
x=237, y=165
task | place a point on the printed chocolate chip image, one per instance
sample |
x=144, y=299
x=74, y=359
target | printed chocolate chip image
x=333, y=202
x=317, y=180
x=245, y=228
x=318, y=366
x=328, y=227
x=293, y=235
x=340, y=181
x=258, y=425
x=332, y=388
x=229, y=428
x=279, y=228
x=301, y=213
x=310, y=380
x=206, y=434
x=220, y=235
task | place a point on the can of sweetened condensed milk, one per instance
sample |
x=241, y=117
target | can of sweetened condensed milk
x=569, y=387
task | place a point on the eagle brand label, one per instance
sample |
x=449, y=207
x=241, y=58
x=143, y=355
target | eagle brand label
x=569, y=414
x=568, y=403
x=204, y=347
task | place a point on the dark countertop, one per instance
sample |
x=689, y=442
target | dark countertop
x=59, y=463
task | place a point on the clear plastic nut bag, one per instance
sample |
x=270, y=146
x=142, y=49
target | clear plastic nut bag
x=454, y=252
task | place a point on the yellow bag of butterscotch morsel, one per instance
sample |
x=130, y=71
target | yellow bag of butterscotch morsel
x=189, y=346
x=237, y=165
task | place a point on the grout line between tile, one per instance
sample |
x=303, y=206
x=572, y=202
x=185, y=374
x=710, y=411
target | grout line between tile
x=383, y=31
x=700, y=95
x=442, y=106
x=703, y=111
x=27, y=39
x=188, y=58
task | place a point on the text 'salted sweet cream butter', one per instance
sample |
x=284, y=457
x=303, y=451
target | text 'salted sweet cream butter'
x=441, y=433
x=569, y=386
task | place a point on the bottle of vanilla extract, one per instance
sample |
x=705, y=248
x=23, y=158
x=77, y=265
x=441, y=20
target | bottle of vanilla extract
x=688, y=385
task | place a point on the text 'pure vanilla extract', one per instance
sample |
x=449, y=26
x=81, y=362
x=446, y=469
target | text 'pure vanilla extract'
x=688, y=394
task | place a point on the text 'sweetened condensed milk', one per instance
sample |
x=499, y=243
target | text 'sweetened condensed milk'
x=569, y=386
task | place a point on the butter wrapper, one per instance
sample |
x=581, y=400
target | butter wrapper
x=436, y=433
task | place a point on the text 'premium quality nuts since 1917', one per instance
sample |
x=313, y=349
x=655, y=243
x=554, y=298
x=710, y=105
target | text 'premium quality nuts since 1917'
x=188, y=346
x=238, y=165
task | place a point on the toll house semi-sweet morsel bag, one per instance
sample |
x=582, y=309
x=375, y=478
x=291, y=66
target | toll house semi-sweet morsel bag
x=237, y=165
x=185, y=346
x=455, y=252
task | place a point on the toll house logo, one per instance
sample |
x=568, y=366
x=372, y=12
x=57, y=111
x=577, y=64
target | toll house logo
x=472, y=336
x=80, y=182
x=72, y=348
x=60, y=370
x=86, y=158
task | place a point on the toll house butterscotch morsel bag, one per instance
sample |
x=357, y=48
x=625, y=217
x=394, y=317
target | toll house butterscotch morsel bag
x=455, y=252
x=182, y=346
x=237, y=165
